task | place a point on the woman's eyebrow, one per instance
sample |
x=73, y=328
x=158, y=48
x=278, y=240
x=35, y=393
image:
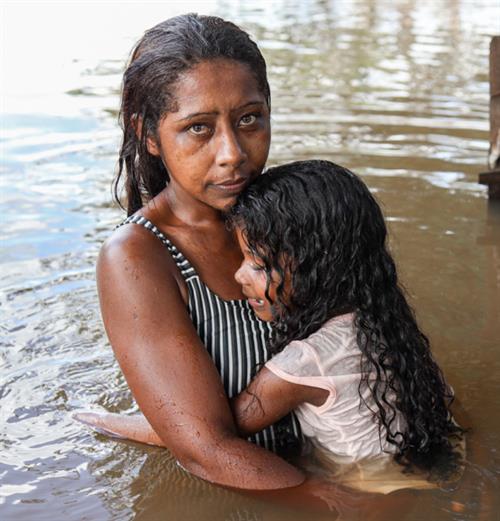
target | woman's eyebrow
x=215, y=113
x=197, y=114
x=249, y=104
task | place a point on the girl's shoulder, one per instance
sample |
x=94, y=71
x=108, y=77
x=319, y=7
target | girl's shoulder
x=334, y=336
x=319, y=352
x=297, y=358
x=334, y=346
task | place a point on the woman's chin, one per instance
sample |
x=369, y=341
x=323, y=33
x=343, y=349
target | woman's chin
x=227, y=205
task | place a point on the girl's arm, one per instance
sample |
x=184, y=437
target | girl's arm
x=268, y=398
x=169, y=371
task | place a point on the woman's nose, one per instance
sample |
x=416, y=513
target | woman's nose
x=229, y=149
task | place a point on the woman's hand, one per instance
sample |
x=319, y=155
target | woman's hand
x=134, y=428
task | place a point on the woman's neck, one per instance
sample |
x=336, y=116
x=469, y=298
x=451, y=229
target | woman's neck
x=185, y=211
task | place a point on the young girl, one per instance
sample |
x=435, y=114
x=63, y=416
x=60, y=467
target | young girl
x=349, y=357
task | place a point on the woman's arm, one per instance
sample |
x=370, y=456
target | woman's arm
x=169, y=371
x=267, y=399
x=134, y=428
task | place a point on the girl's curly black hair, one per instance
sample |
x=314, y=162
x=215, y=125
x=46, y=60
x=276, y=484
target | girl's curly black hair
x=318, y=222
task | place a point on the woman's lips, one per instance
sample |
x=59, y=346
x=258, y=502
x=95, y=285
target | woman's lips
x=233, y=186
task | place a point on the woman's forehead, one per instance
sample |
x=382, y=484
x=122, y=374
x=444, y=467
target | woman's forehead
x=215, y=85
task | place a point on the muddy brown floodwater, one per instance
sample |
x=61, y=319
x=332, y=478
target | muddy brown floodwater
x=398, y=92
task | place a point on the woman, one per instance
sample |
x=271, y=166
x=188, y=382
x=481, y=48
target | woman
x=195, y=115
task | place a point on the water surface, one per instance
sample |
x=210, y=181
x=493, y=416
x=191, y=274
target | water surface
x=396, y=91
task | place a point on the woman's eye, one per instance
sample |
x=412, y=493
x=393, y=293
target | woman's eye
x=198, y=129
x=248, y=119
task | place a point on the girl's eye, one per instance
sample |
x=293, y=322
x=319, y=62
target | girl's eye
x=248, y=119
x=256, y=267
x=198, y=129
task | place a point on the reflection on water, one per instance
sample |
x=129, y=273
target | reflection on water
x=396, y=91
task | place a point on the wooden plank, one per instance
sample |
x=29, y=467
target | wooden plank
x=494, y=155
x=492, y=178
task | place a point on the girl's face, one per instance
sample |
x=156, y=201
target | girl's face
x=253, y=280
x=217, y=140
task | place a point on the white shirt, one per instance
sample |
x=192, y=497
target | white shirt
x=330, y=359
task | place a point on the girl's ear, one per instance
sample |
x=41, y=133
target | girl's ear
x=151, y=142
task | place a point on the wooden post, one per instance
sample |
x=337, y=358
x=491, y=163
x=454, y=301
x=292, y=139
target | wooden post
x=492, y=178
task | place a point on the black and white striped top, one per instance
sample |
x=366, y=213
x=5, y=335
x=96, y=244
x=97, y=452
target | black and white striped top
x=234, y=337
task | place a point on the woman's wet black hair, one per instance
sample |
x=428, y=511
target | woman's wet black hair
x=319, y=223
x=159, y=58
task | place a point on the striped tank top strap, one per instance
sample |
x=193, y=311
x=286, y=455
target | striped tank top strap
x=185, y=267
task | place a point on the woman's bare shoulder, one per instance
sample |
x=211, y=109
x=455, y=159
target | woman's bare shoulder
x=128, y=238
x=133, y=247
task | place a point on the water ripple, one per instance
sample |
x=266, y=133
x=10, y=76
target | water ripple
x=396, y=91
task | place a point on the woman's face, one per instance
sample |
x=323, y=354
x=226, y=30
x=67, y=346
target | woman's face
x=217, y=140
